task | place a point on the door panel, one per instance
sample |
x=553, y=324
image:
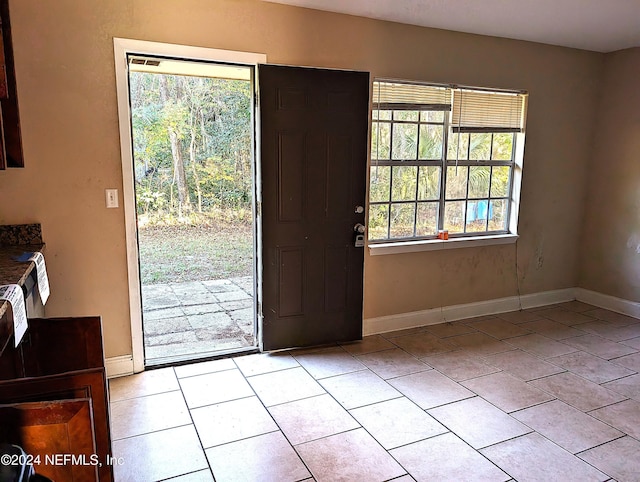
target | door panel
x=290, y=176
x=314, y=125
x=291, y=281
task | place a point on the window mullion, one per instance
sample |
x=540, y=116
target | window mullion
x=491, y=147
x=443, y=170
x=464, y=162
x=390, y=174
x=511, y=175
x=486, y=224
x=466, y=199
x=415, y=210
x=389, y=214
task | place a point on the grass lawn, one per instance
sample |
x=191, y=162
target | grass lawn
x=195, y=253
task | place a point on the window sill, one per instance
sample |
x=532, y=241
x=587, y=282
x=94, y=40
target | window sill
x=439, y=244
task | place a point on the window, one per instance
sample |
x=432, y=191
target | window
x=442, y=158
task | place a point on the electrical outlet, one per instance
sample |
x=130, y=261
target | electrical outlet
x=111, y=198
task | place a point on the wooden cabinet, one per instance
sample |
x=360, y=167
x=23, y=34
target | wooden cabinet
x=59, y=360
x=10, y=137
x=58, y=427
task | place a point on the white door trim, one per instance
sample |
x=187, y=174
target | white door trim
x=121, y=48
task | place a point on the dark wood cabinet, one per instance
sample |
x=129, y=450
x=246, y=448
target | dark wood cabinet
x=59, y=360
x=59, y=427
x=10, y=136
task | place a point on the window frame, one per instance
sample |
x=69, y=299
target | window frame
x=391, y=163
x=483, y=163
x=449, y=130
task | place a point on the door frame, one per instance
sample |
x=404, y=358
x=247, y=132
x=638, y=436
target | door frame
x=122, y=48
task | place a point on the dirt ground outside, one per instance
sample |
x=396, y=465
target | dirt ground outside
x=179, y=253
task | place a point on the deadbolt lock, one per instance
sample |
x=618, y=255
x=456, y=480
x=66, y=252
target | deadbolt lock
x=359, y=229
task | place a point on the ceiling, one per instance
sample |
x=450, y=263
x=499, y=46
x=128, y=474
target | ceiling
x=598, y=25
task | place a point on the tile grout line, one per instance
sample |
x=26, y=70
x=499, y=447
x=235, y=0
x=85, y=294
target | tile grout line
x=347, y=410
x=194, y=424
x=356, y=357
x=280, y=430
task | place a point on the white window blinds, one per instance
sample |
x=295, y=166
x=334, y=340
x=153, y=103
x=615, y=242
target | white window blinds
x=487, y=111
x=399, y=95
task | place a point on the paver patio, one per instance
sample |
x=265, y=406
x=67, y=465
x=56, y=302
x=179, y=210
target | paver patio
x=196, y=319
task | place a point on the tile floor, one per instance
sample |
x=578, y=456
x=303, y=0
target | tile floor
x=551, y=394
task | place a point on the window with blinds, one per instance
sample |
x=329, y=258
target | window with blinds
x=401, y=96
x=442, y=159
x=478, y=111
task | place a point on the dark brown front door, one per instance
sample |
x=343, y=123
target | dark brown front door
x=314, y=125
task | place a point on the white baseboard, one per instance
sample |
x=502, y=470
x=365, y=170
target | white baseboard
x=480, y=308
x=123, y=365
x=612, y=303
x=547, y=298
x=119, y=366
x=433, y=316
x=383, y=324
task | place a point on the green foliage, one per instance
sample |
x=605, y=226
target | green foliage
x=222, y=186
x=149, y=200
x=211, y=120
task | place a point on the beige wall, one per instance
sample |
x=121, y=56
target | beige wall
x=66, y=82
x=611, y=237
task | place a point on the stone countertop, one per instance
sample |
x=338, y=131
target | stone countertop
x=12, y=271
x=13, y=234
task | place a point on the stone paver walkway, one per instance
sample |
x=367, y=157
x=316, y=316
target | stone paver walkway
x=197, y=318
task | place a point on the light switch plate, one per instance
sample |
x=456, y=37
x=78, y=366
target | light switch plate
x=111, y=198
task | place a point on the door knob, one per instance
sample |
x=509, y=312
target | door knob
x=359, y=228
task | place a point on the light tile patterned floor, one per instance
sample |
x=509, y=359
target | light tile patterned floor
x=551, y=394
